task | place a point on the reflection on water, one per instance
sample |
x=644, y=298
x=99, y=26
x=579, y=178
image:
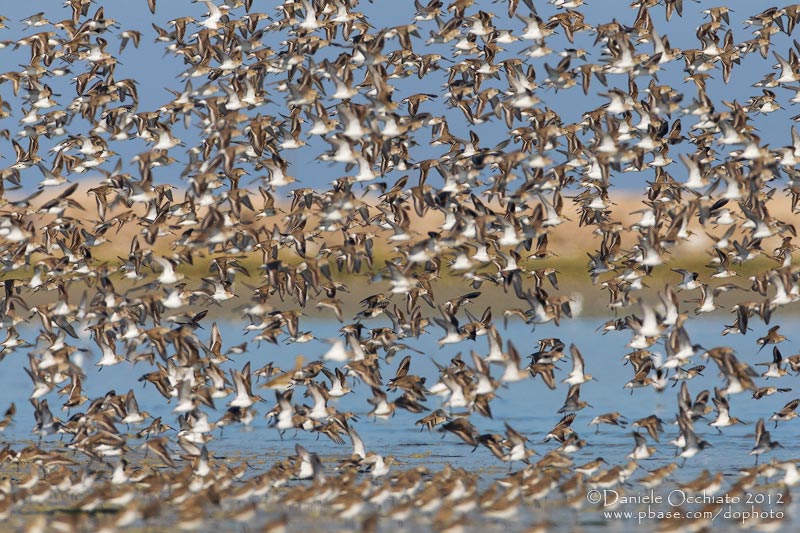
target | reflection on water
x=527, y=405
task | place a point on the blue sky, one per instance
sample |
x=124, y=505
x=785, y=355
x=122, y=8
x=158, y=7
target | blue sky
x=156, y=70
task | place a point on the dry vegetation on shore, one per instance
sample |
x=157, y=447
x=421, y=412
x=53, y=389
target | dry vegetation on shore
x=575, y=243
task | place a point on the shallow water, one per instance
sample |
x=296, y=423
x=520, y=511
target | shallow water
x=528, y=406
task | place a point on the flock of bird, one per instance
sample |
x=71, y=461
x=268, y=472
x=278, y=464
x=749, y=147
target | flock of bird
x=100, y=257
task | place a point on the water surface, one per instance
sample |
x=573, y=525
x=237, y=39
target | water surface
x=528, y=406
